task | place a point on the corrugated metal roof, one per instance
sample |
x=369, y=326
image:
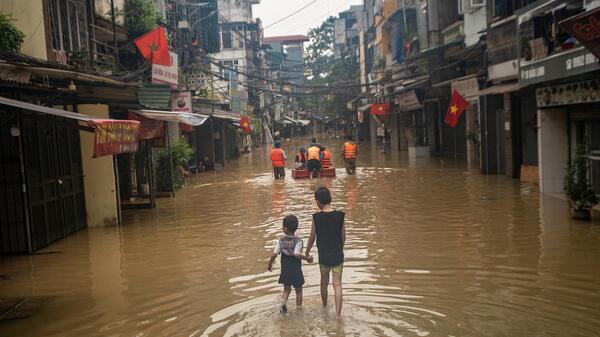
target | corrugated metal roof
x=155, y=96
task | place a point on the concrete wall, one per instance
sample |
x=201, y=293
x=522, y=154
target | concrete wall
x=553, y=145
x=29, y=18
x=100, y=190
x=475, y=21
x=235, y=11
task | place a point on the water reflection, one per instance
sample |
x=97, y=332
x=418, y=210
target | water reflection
x=433, y=249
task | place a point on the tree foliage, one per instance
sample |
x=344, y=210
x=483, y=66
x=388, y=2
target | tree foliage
x=339, y=72
x=576, y=183
x=11, y=38
x=181, y=153
x=140, y=17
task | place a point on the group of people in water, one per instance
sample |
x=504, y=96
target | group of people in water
x=313, y=158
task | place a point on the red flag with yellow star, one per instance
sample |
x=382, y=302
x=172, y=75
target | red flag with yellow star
x=380, y=109
x=457, y=106
x=245, y=124
x=154, y=47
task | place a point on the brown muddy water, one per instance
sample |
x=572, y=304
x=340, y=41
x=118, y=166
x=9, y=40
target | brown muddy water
x=433, y=249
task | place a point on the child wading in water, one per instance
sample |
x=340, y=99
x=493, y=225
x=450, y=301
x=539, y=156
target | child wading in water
x=330, y=232
x=290, y=248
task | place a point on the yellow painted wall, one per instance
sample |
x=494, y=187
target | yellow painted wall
x=100, y=190
x=29, y=18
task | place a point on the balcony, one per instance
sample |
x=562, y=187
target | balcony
x=453, y=32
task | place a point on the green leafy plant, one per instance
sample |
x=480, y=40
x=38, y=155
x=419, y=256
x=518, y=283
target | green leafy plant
x=140, y=17
x=181, y=153
x=576, y=183
x=11, y=38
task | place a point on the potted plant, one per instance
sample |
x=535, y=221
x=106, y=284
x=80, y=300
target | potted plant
x=577, y=187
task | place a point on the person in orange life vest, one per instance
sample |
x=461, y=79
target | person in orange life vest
x=314, y=156
x=326, y=158
x=349, y=152
x=301, y=159
x=278, y=160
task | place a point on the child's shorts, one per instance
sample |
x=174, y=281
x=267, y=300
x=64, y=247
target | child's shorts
x=336, y=270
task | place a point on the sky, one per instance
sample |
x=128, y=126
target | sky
x=270, y=11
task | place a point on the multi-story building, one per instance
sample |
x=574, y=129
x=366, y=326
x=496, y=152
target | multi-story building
x=346, y=30
x=53, y=101
x=235, y=58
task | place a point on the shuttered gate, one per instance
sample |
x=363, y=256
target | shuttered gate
x=54, y=184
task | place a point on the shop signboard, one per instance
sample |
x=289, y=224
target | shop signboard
x=572, y=93
x=467, y=88
x=181, y=101
x=408, y=101
x=167, y=74
x=570, y=63
x=115, y=136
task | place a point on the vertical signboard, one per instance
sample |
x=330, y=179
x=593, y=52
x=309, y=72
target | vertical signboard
x=167, y=74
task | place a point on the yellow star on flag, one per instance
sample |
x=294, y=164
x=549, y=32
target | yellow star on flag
x=453, y=109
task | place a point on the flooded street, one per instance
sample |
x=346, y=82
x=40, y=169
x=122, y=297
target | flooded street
x=433, y=249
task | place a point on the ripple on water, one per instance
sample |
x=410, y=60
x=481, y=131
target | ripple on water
x=433, y=249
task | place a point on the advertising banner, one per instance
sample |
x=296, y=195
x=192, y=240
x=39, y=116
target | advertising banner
x=114, y=136
x=149, y=128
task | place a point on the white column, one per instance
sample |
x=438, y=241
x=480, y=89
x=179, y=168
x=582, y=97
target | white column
x=553, y=148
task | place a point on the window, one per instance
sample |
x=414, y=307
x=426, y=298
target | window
x=477, y=3
x=232, y=37
x=68, y=24
x=461, y=6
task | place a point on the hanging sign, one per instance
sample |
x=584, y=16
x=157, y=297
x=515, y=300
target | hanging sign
x=114, y=136
x=181, y=101
x=167, y=74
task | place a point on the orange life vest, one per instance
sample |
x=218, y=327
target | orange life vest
x=326, y=158
x=277, y=158
x=349, y=150
x=314, y=152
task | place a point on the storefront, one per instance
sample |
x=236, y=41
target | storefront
x=57, y=172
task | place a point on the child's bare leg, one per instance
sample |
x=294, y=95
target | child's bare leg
x=286, y=294
x=337, y=288
x=298, y=296
x=324, y=285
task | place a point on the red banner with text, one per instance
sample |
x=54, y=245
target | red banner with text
x=114, y=136
x=149, y=128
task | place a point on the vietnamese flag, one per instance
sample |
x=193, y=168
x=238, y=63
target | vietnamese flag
x=154, y=47
x=380, y=108
x=457, y=106
x=245, y=124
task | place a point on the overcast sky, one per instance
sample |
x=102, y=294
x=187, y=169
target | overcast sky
x=270, y=11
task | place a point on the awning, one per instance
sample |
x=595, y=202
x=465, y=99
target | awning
x=111, y=136
x=232, y=116
x=295, y=121
x=526, y=15
x=411, y=83
x=171, y=116
x=364, y=108
x=499, y=89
